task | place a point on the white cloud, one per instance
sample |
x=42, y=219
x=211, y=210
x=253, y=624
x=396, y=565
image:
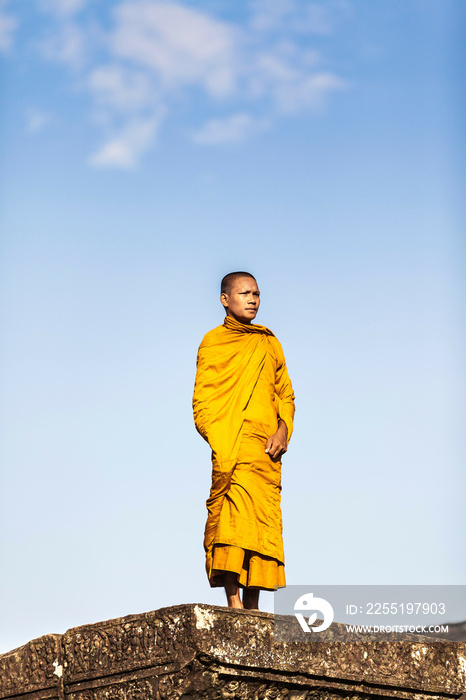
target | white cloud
x=234, y=128
x=63, y=8
x=37, y=120
x=68, y=44
x=121, y=88
x=124, y=149
x=306, y=92
x=157, y=55
x=283, y=16
x=291, y=79
x=315, y=19
x=268, y=15
x=183, y=46
x=274, y=68
x=8, y=24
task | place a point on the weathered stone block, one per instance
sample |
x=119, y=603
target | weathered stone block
x=36, y=667
x=201, y=651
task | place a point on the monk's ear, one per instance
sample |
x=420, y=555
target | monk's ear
x=224, y=299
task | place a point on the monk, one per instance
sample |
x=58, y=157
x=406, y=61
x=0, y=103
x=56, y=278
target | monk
x=244, y=407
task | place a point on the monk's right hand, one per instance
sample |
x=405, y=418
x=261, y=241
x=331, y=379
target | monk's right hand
x=276, y=445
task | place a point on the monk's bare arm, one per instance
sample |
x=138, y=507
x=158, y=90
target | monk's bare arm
x=276, y=445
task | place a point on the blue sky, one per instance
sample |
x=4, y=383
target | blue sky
x=152, y=147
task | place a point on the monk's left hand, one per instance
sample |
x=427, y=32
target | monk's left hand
x=276, y=444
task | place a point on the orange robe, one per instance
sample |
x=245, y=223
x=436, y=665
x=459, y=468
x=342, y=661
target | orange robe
x=242, y=389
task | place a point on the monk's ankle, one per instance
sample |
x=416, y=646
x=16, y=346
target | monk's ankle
x=251, y=599
x=234, y=601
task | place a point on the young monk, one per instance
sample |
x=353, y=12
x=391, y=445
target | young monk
x=243, y=406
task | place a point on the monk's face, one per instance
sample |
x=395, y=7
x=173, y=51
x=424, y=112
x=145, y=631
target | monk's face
x=242, y=302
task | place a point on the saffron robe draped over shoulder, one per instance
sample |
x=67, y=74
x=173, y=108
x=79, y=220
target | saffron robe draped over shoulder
x=242, y=390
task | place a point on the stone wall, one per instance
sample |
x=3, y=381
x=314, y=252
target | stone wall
x=201, y=651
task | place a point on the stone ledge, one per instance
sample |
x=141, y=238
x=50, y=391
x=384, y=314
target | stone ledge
x=202, y=651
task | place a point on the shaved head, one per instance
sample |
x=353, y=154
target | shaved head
x=229, y=280
x=240, y=296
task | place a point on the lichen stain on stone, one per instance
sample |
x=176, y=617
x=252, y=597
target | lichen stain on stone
x=205, y=619
x=418, y=654
x=58, y=669
x=462, y=664
x=173, y=623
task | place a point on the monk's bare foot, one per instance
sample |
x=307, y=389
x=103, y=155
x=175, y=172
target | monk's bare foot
x=251, y=598
x=232, y=590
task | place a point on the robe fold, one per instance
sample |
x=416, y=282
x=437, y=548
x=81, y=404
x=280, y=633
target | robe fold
x=242, y=390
